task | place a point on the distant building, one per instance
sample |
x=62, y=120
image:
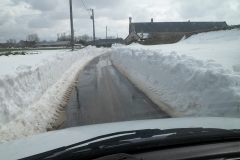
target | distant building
x=53, y=44
x=107, y=42
x=164, y=30
x=24, y=44
x=4, y=45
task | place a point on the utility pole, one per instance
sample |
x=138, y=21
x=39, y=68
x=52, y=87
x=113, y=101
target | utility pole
x=71, y=22
x=106, y=36
x=92, y=17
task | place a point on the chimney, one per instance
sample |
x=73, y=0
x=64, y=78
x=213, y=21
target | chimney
x=130, y=25
x=152, y=20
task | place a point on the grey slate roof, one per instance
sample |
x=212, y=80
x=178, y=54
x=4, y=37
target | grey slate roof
x=176, y=26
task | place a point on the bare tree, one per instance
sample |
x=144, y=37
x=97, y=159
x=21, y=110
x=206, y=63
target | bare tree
x=33, y=37
x=58, y=35
x=11, y=41
x=90, y=38
x=63, y=37
x=68, y=38
x=85, y=37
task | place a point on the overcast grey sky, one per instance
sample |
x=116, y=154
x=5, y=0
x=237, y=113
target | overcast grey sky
x=18, y=18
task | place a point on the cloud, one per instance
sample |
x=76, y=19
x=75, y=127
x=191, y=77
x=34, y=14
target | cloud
x=6, y=14
x=99, y=4
x=220, y=10
x=109, y=14
x=4, y=18
x=49, y=17
x=42, y=5
x=41, y=22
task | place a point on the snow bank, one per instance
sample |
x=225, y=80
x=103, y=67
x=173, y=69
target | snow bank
x=32, y=87
x=220, y=46
x=195, y=77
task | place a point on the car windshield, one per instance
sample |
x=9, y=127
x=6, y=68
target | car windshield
x=97, y=67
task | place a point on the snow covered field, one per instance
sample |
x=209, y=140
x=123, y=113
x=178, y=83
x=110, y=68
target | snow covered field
x=32, y=87
x=198, y=76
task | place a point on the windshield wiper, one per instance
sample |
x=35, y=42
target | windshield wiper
x=123, y=140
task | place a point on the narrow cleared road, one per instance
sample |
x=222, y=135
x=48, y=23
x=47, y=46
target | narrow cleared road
x=103, y=95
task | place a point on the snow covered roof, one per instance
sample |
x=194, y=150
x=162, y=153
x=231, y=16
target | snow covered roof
x=148, y=27
x=143, y=35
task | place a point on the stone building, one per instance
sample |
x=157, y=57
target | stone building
x=165, y=31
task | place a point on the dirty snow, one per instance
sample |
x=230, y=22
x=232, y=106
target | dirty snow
x=32, y=87
x=198, y=76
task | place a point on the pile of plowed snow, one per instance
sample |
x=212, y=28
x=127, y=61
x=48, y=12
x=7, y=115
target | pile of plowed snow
x=199, y=76
x=32, y=88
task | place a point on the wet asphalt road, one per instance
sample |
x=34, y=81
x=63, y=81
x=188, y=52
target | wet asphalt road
x=103, y=95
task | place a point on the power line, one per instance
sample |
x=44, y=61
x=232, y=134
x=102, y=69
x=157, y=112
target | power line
x=57, y=12
x=96, y=21
x=62, y=11
x=115, y=31
x=108, y=28
x=85, y=8
x=99, y=24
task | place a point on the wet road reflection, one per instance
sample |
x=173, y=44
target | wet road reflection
x=103, y=95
